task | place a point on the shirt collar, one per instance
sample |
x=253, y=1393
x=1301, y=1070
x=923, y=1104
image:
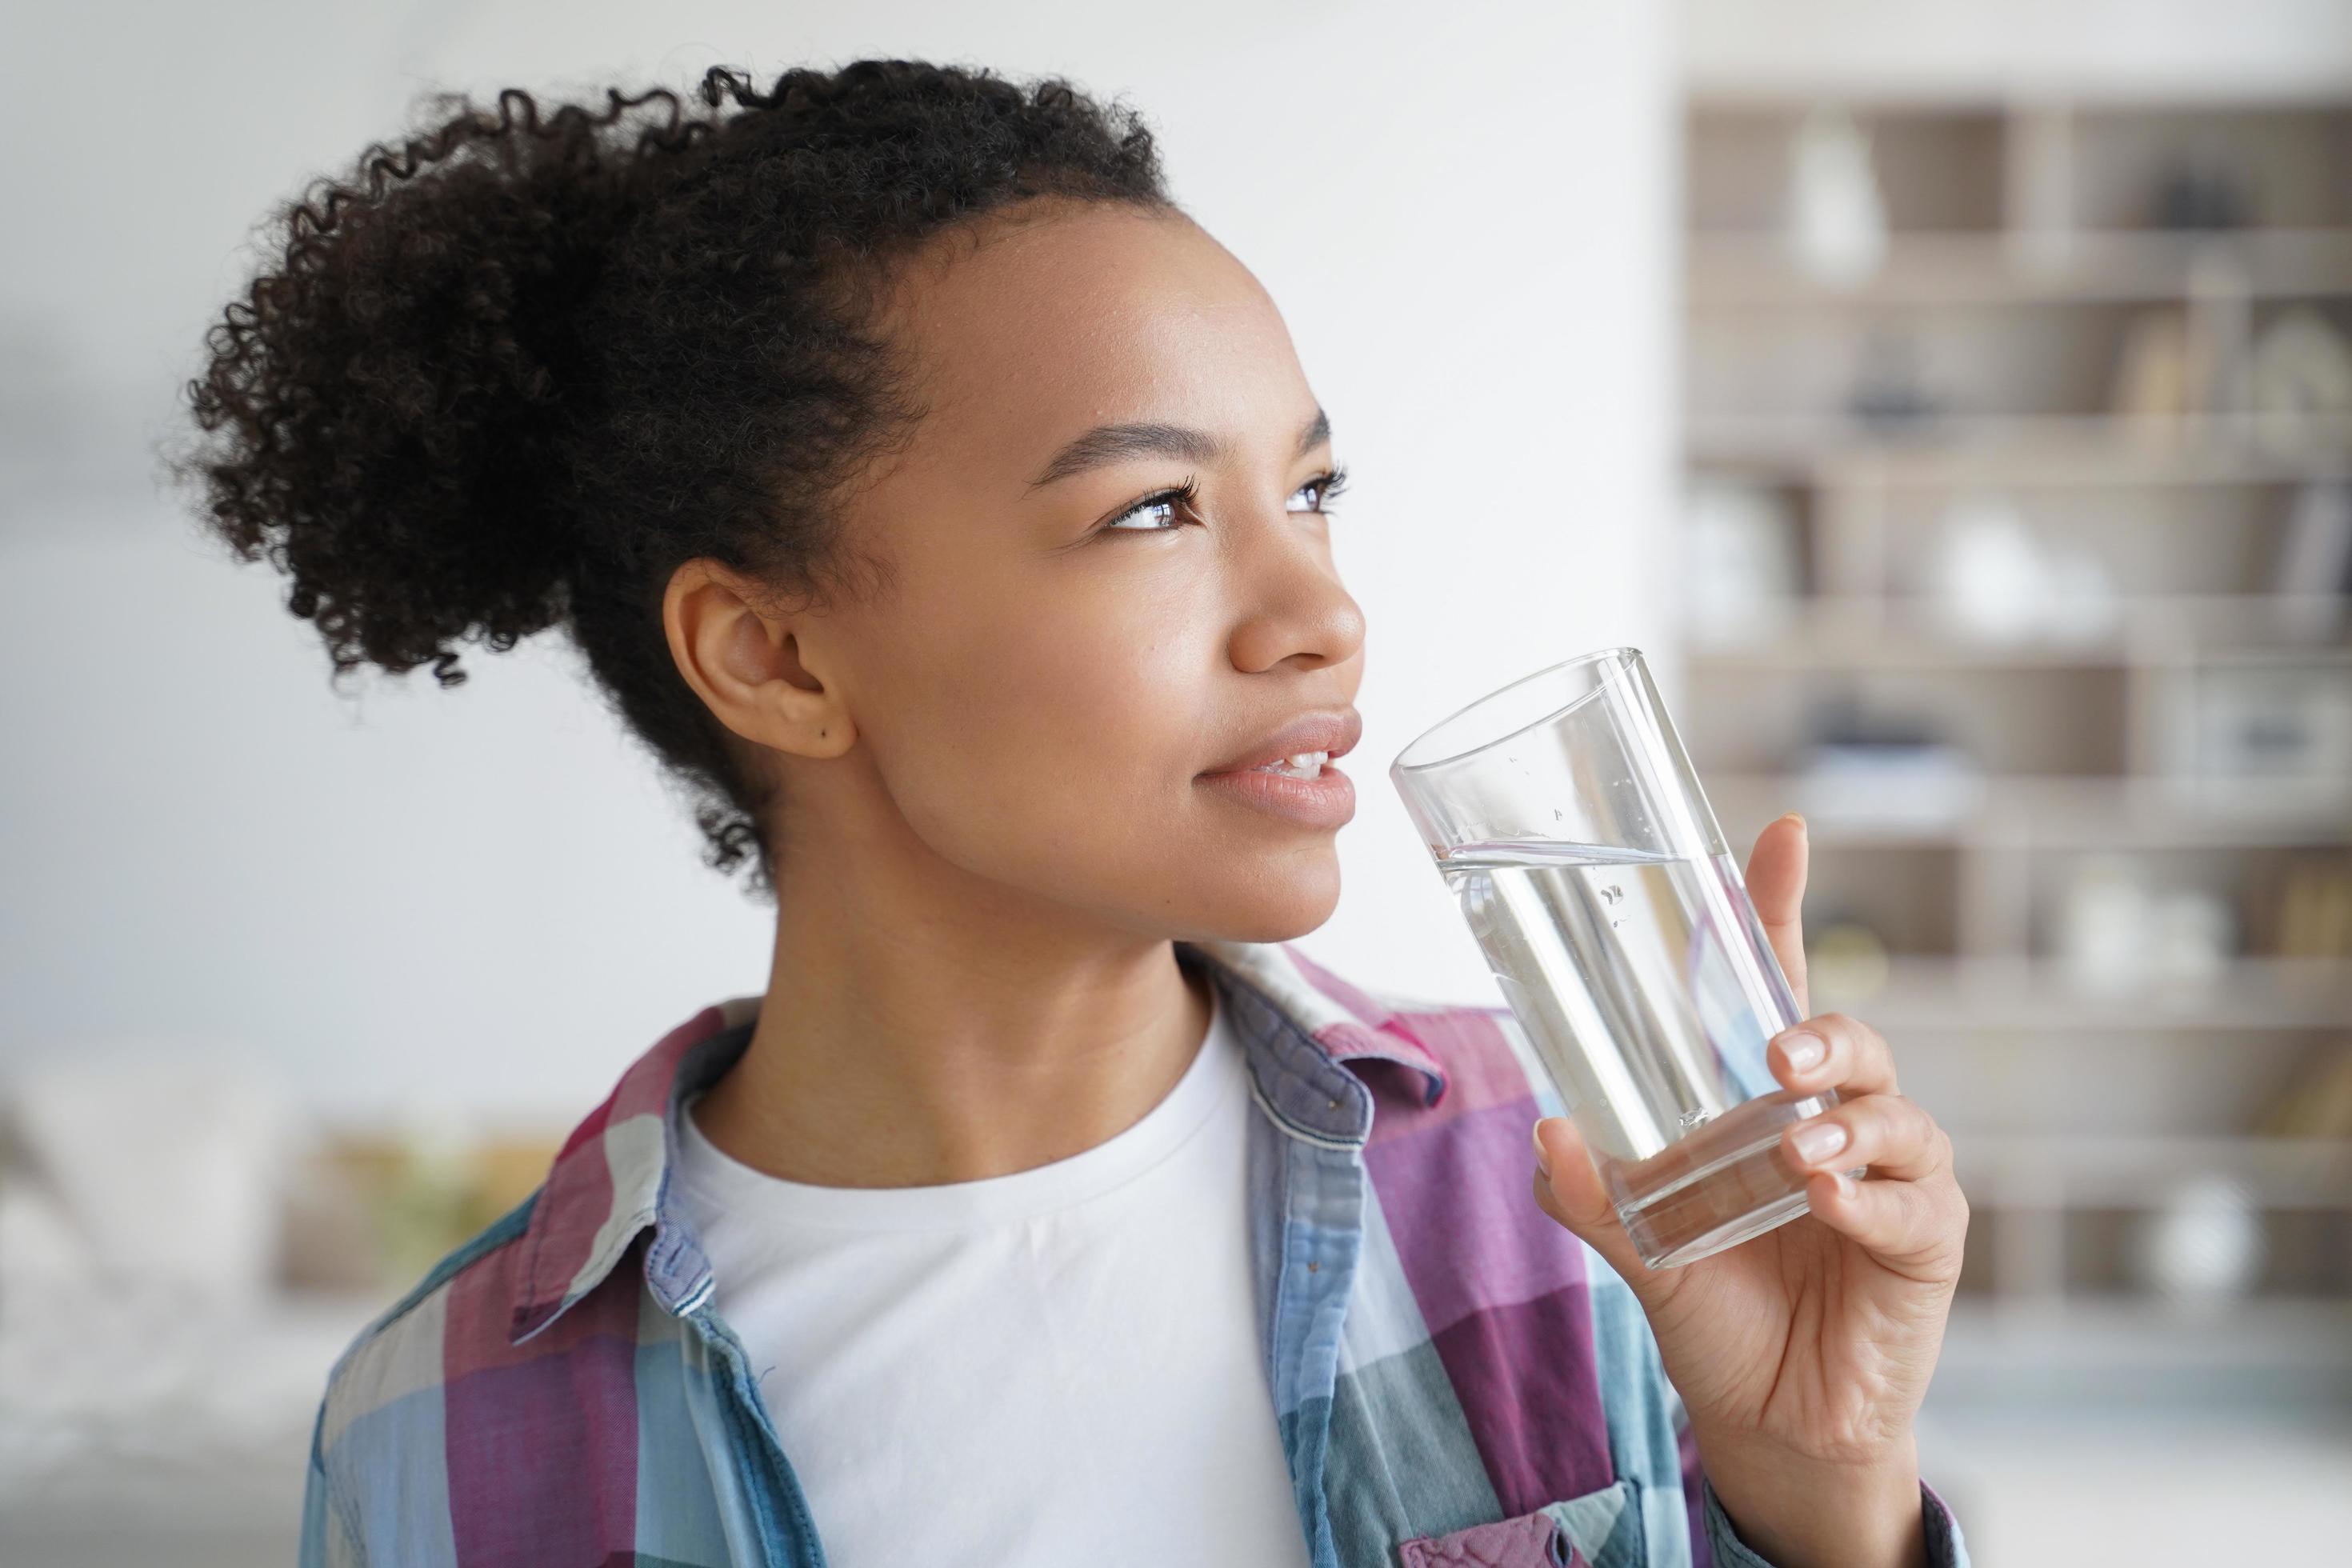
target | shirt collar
x=1300, y=1024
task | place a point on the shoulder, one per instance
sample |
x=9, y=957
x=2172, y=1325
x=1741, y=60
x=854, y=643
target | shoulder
x=469, y=1412
x=365, y=1375
x=381, y=1424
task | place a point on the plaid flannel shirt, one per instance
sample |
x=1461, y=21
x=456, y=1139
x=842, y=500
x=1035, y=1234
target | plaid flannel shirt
x=1457, y=1379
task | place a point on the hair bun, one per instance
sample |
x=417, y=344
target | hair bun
x=391, y=405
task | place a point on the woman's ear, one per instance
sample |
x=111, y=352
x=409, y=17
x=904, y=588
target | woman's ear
x=751, y=664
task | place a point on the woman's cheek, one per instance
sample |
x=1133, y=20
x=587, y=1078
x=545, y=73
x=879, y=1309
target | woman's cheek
x=1068, y=736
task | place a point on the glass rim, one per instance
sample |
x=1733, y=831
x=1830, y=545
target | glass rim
x=1624, y=655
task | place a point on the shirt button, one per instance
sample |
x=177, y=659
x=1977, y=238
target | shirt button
x=1332, y=1105
x=1313, y=1266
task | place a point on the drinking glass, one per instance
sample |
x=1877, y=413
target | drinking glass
x=1565, y=816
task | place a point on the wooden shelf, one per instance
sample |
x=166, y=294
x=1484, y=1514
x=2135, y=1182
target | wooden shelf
x=2128, y=1333
x=1736, y=270
x=2018, y=1172
x=2170, y=630
x=1978, y=996
x=2026, y=811
x=2053, y=449
x=2011, y=281
x=1812, y=651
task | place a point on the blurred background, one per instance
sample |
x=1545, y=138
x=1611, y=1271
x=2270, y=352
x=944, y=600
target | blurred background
x=1953, y=399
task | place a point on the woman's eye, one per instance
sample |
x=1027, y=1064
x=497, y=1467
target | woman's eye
x=1146, y=517
x=1326, y=486
x=1149, y=515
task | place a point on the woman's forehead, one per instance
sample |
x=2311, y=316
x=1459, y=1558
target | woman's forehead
x=1099, y=318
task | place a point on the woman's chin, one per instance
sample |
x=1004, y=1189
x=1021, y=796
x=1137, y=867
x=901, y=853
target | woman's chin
x=1280, y=901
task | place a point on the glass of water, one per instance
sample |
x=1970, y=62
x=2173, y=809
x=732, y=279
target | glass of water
x=1563, y=812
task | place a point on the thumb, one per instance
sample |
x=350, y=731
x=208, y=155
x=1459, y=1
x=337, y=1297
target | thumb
x=1569, y=1190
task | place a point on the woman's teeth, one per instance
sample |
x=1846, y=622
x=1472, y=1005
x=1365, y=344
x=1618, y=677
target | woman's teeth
x=1300, y=766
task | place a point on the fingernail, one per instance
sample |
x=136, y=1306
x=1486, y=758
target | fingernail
x=1792, y=816
x=1818, y=1141
x=1803, y=1050
x=1543, y=1160
x=1844, y=1184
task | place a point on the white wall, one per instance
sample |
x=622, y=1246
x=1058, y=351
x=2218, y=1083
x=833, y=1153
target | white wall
x=483, y=896
x=1976, y=49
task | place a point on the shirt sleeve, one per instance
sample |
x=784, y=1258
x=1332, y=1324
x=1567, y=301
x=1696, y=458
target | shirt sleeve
x=326, y=1539
x=1945, y=1547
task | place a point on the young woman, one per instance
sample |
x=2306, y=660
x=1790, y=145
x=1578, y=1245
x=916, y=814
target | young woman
x=951, y=514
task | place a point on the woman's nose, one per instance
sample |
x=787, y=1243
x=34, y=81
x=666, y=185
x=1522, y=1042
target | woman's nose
x=1299, y=612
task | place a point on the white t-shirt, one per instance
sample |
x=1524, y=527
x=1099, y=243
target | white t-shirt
x=1059, y=1366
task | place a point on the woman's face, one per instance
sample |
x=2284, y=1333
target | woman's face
x=1062, y=666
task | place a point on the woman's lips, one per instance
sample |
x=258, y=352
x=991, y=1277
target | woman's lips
x=1326, y=800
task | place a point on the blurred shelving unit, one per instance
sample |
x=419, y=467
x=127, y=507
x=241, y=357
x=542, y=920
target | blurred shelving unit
x=2017, y=449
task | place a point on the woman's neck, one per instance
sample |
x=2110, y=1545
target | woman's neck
x=923, y=1026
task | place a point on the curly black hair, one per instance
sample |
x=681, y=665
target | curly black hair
x=516, y=370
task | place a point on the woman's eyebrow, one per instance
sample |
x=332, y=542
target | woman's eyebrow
x=1108, y=444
